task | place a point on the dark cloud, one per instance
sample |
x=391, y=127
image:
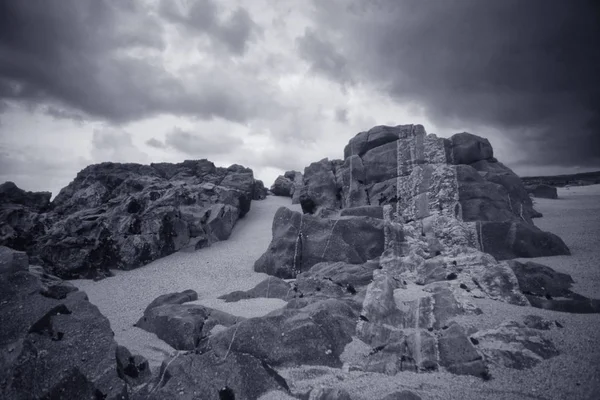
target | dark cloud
x=103, y=57
x=526, y=68
x=157, y=144
x=202, y=145
x=234, y=31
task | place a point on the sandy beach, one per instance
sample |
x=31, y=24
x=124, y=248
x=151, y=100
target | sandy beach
x=227, y=266
x=213, y=271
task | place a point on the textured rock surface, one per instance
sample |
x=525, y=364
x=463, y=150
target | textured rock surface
x=301, y=241
x=182, y=326
x=287, y=185
x=51, y=347
x=126, y=215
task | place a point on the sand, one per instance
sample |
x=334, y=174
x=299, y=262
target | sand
x=213, y=271
x=227, y=266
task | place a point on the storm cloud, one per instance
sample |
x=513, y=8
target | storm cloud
x=526, y=68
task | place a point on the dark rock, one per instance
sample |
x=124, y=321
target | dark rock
x=314, y=334
x=403, y=395
x=344, y=274
x=468, y=148
x=270, y=288
x=515, y=346
x=12, y=261
x=542, y=191
x=259, y=192
x=210, y=377
x=320, y=188
x=11, y=194
x=51, y=348
x=539, y=280
x=457, y=353
x=127, y=215
x=133, y=369
x=537, y=322
x=301, y=241
x=282, y=186
x=180, y=325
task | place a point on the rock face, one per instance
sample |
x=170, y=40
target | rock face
x=51, y=346
x=126, y=215
x=288, y=185
x=301, y=241
x=409, y=228
x=420, y=175
x=542, y=191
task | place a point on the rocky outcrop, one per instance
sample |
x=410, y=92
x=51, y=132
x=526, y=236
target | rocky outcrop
x=301, y=241
x=181, y=325
x=412, y=228
x=542, y=191
x=54, y=347
x=259, y=192
x=126, y=215
x=288, y=185
x=421, y=175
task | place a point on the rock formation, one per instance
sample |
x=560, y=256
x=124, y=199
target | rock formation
x=288, y=185
x=55, y=344
x=126, y=215
x=542, y=191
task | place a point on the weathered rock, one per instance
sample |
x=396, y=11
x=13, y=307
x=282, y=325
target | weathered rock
x=259, y=192
x=364, y=211
x=542, y=191
x=211, y=377
x=537, y=322
x=541, y=284
x=12, y=261
x=315, y=334
x=270, y=288
x=180, y=325
x=134, y=369
x=457, y=353
x=282, y=186
x=321, y=194
x=11, y=194
x=468, y=148
x=54, y=348
x=514, y=346
x=126, y=215
x=301, y=241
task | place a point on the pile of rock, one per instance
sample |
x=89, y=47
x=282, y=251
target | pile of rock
x=126, y=215
x=288, y=185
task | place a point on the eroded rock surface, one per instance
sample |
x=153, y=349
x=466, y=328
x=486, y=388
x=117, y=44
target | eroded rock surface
x=126, y=215
x=54, y=347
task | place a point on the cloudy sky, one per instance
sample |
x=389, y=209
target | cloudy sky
x=277, y=84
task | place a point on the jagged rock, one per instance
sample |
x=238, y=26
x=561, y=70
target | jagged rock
x=541, y=285
x=12, y=261
x=180, y=325
x=127, y=215
x=457, y=353
x=514, y=346
x=364, y=211
x=210, y=376
x=314, y=334
x=537, y=322
x=542, y=191
x=54, y=348
x=320, y=188
x=134, y=369
x=301, y=241
x=282, y=186
x=11, y=194
x=468, y=148
x=270, y=288
x=259, y=192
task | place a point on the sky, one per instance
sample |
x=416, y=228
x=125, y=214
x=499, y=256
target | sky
x=277, y=84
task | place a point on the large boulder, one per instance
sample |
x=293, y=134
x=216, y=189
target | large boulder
x=127, y=215
x=301, y=241
x=282, y=186
x=180, y=325
x=542, y=191
x=53, y=347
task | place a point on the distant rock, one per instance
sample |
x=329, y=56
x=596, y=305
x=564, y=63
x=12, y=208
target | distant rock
x=542, y=191
x=54, y=347
x=123, y=216
x=288, y=185
x=259, y=192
